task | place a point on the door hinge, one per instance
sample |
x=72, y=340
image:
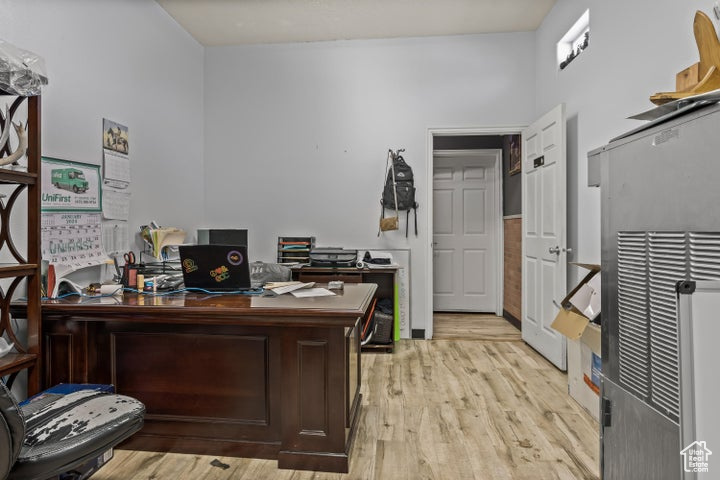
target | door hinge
x=606, y=412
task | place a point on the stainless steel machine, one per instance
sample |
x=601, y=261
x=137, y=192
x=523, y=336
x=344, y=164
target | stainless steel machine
x=660, y=188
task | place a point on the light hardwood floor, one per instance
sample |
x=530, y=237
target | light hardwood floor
x=473, y=326
x=439, y=409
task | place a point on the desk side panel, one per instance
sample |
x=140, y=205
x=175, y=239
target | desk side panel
x=314, y=404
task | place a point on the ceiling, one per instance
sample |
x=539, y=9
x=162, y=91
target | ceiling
x=237, y=22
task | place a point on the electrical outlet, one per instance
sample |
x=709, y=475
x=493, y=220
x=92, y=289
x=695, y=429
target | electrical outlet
x=716, y=10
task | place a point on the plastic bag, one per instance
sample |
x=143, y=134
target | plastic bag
x=21, y=72
x=262, y=273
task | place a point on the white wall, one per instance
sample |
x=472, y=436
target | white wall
x=636, y=48
x=296, y=136
x=129, y=62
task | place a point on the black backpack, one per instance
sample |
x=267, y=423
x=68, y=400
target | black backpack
x=403, y=186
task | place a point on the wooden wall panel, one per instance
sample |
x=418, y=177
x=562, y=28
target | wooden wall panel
x=512, y=300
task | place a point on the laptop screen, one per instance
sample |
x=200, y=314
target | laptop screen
x=215, y=267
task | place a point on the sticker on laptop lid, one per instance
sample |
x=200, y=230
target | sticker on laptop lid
x=220, y=273
x=235, y=257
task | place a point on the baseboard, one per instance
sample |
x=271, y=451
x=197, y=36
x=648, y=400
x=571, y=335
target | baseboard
x=418, y=333
x=512, y=320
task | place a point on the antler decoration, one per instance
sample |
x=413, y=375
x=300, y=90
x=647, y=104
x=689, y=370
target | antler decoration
x=20, y=131
x=5, y=136
x=22, y=144
x=5, y=120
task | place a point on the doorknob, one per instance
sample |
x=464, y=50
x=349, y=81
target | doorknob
x=568, y=249
x=554, y=249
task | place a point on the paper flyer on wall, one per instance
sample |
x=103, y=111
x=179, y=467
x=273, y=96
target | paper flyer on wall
x=115, y=237
x=70, y=186
x=116, y=170
x=72, y=239
x=115, y=204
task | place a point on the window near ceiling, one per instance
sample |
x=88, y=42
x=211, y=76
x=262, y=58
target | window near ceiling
x=574, y=42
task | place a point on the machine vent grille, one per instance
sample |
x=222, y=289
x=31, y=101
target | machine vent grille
x=633, y=314
x=704, y=256
x=667, y=265
x=649, y=266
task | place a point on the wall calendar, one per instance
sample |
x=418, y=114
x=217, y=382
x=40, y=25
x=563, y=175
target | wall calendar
x=72, y=239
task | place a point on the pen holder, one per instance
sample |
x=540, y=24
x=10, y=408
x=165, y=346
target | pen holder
x=129, y=278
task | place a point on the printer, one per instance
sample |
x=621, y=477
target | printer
x=332, y=257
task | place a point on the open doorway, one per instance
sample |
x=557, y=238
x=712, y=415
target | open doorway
x=450, y=146
x=467, y=229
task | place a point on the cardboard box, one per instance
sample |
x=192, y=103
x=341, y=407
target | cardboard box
x=573, y=320
x=584, y=372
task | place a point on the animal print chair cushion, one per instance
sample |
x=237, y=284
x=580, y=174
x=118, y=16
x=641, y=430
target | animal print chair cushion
x=71, y=429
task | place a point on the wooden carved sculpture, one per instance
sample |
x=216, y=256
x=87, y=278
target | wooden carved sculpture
x=704, y=76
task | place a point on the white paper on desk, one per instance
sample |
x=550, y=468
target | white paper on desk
x=291, y=287
x=312, y=292
x=66, y=285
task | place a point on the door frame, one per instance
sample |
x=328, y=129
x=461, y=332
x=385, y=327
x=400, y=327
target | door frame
x=498, y=264
x=429, y=166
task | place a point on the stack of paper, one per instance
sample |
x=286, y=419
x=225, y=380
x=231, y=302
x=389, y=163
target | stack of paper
x=287, y=287
x=313, y=292
x=298, y=289
x=162, y=237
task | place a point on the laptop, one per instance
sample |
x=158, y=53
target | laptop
x=218, y=268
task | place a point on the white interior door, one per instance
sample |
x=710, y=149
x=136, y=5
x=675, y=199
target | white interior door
x=466, y=212
x=544, y=226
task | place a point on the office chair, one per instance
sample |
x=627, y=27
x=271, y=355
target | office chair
x=57, y=434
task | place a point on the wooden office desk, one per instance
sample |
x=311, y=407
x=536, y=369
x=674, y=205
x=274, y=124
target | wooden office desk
x=222, y=374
